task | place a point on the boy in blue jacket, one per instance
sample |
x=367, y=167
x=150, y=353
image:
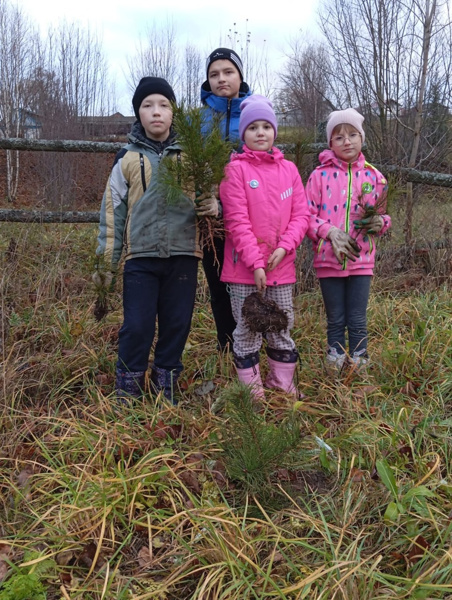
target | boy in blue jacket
x=222, y=95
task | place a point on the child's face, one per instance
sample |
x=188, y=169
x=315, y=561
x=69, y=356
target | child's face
x=346, y=142
x=259, y=135
x=156, y=116
x=224, y=79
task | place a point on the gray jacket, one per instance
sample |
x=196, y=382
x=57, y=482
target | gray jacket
x=136, y=216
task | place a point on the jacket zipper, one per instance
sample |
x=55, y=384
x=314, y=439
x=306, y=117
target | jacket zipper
x=143, y=176
x=347, y=210
x=228, y=119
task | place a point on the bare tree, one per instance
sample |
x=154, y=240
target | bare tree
x=389, y=57
x=69, y=90
x=387, y=54
x=157, y=56
x=256, y=63
x=76, y=57
x=18, y=57
x=192, y=76
x=304, y=98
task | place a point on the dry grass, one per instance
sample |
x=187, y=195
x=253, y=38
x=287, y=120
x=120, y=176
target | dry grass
x=99, y=502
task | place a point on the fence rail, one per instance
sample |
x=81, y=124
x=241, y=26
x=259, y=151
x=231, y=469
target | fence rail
x=32, y=216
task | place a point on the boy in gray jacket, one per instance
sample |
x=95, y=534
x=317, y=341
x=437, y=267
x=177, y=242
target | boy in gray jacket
x=160, y=243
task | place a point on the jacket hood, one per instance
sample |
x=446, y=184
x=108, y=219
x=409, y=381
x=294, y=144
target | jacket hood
x=137, y=135
x=219, y=103
x=273, y=155
x=328, y=158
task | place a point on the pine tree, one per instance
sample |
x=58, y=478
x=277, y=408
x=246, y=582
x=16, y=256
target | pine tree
x=253, y=448
x=201, y=168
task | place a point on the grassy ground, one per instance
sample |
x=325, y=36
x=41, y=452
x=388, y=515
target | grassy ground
x=199, y=501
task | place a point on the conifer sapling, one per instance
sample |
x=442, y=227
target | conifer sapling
x=200, y=169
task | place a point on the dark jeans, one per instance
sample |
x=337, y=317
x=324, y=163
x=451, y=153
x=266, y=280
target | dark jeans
x=345, y=300
x=162, y=288
x=219, y=296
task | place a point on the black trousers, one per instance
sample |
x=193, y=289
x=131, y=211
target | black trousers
x=161, y=289
x=219, y=296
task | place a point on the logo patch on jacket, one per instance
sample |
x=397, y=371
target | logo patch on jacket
x=254, y=184
x=287, y=193
x=366, y=188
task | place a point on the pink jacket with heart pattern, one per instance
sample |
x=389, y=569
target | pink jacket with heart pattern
x=337, y=192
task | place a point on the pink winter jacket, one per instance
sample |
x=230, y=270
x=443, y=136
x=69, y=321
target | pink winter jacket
x=264, y=208
x=336, y=192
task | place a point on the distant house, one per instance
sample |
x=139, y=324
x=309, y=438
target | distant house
x=289, y=117
x=392, y=106
x=112, y=126
x=30, y=125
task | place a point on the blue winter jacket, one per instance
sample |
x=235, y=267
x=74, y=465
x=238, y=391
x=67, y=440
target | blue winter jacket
x=229, y=108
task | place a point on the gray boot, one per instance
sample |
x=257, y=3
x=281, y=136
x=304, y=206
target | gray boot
x=334, y=362
x=165, y=381
x=129, y=385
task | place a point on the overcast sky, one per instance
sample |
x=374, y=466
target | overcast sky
x=120, y=25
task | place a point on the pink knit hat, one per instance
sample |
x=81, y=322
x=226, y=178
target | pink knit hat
x=349, y=116
x=256, y=108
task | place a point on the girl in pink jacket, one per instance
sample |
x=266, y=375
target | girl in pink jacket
x=266, y=217
x=340, y=192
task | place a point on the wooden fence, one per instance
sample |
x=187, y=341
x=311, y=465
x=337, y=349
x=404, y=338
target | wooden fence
x=30, y=216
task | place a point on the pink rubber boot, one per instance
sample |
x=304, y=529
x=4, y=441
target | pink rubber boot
x=252, y=377
x=280, y=376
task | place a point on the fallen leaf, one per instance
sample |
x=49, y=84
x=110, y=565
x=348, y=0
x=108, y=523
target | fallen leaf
x=3, y=569
x=205, y=388
x=144, y=557
x=407, y=452
x=191, y=480
x=24, y=476
x=357, y=475
x=365, y=391
x=384, y=427
x=64, y=558
x=76, y=329
x=158, y=542
x=418, y=549
x=104, y=378
x=87, y=556
x=6, y=552
x=194, y=458
x=65, y=578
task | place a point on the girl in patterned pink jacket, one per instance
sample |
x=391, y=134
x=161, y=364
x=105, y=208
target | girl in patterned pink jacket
x=340, y=192
x=266, y=216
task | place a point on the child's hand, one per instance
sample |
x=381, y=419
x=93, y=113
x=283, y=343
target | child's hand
x=260, y=279
x=103, y=279
x=275, y=258
x=344, y=246
x=207, y=206
x=373, y=224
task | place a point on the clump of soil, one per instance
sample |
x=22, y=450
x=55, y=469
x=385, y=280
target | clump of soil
x=263, y=315
x=100, y=308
